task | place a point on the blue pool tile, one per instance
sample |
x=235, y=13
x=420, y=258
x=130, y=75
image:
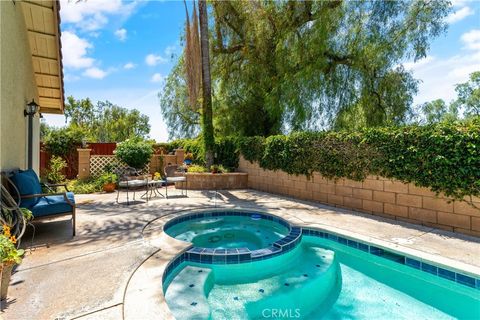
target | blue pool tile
x=363, y=247
x=466, y=280
x=429, y=268
x=376, y=251
x=353, y=244
x=206, y=258
x=447, y=274
x=219, y=259
x=208, y=251
x=412, y=263
x=220, y=251
x=243, y=250
x=478, y=284
x=232, y=259
x=398, y=258
x=232, y=251
x=332, y=237
x=244, y=257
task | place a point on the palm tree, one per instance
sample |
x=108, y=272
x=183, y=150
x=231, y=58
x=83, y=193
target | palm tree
x=207, y=114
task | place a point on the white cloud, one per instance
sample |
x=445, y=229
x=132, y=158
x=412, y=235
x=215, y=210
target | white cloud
x=459, y=15
x=153, y=60
x=74, y=51
x=157, y=77
x=412, y=66
x=439, y=76
x=471, y=39
x=95, y=73
x=170, y=50
x=129, y=65
x=121, y=34
x=92, y=15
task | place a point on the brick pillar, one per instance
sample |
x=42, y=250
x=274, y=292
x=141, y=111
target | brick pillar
x=83, y=163
x=180, y=154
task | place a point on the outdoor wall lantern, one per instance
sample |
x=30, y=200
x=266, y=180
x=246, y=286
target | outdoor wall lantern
x=30, y=111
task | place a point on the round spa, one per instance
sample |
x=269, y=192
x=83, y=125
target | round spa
x=223, y=230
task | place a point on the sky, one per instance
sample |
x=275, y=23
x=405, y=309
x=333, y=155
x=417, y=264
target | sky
x=122, y=51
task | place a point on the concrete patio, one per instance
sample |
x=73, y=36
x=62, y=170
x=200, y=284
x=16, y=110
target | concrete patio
x=86, y=277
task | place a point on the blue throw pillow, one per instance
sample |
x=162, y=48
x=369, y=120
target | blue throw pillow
x=27, y=183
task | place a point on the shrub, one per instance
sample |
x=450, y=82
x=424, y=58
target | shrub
x=135, y=153
x=444, y=157
x=84, y=186
x=54, y=173
x=62, y=142
x=226, y=152
x=106, y=178
x=197, y=169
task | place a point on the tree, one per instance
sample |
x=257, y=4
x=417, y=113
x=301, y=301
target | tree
x=182, y=120
x=438, y=110
x=207, y=115
x=105, y=122
x=279, y=66
x=469, y=95
x=467, y=102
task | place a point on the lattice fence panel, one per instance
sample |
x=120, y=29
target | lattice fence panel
x=98, y=163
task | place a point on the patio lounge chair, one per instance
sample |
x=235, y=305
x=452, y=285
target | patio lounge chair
x=43, y=205
x=172, y=175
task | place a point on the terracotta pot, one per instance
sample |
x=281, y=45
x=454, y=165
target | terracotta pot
x=109, y=187
x=5, y=280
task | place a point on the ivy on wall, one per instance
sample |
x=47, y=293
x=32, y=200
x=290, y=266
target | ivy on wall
x=444, y=157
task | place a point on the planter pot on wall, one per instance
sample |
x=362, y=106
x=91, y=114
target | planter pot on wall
x=5, y=279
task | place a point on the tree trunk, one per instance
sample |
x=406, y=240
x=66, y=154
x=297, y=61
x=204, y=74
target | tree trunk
x=207, y=114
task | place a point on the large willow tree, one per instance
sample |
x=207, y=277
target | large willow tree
x=292, y=65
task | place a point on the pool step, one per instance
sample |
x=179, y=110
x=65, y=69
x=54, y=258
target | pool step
x=187, y=297
x=315, y=282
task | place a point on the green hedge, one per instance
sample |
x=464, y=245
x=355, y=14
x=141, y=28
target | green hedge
x=444, y=157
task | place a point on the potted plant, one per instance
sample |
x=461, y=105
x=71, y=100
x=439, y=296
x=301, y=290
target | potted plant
x=108, y=181
x=188, y=158
x=134, y=152
x=12, y=231
x=214, y=168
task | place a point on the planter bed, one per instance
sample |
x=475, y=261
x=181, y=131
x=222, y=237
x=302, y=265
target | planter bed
x=213, y=181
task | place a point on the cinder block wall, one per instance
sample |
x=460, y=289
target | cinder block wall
x=376, y=195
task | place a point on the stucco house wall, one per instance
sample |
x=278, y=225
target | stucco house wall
x=17, y=89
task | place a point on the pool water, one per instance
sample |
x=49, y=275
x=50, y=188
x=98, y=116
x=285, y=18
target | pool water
x=229, y=232
x=317, y=279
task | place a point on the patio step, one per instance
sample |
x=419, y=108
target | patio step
x=187, y=299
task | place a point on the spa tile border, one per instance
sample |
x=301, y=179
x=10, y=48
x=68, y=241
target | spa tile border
x=457, y=277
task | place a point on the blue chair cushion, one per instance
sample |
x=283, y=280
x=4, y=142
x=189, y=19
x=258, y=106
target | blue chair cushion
x=27, y=183
x=52, y=205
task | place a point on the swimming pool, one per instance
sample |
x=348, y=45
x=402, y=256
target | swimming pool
x=321, y=276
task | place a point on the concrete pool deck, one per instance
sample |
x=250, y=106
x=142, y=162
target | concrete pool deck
x=87, y=277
